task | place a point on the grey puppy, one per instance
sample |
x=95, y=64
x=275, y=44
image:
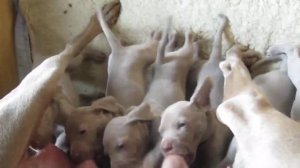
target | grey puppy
x=293, y=60
x=137, y=131
x=185, y=124
x=127, y=66
x=211, y=67
x=85, y=127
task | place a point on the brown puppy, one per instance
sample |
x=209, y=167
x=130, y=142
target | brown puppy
x=44, y=133
x=85, y=127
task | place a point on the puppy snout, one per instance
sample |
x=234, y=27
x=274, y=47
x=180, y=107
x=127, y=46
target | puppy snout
x=167, y=145
x=75, y=155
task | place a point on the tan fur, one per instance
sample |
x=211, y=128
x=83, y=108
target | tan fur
x=22, y=109
x=265, y=137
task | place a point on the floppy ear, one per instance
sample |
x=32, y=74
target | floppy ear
x=107, y=105
x=201, y=98
x=140, y=113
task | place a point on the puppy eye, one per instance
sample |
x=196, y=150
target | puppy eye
x=120, y=146
x=105, y=111
x=82, y=131
x=181, y=125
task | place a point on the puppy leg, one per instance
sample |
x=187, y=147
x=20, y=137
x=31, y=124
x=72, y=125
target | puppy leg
x=280, y=49
x=236, y=77
x=110, y=14
x=216, y=52
x=171, y=42
x=112, y=39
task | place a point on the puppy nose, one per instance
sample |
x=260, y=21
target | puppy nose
x=74, y=154
x=37, y=144
x=167, y=145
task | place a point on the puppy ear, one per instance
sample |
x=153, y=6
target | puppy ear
x=140, y=113
x=107, y=105
x=250, y=57
x=225, y=68
x=201, y=98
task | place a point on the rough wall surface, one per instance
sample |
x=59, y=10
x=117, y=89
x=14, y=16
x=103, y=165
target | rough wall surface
x=259, y=23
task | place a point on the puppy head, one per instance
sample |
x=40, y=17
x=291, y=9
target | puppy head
x=127, y=138
x=237, y=111
x=85, y=128
x=241, y=95
x=236, y=77
x=244, y=53
x=184, y=124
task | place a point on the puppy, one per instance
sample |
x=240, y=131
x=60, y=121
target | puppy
x=85, y=127
x=127, y=66
x=44, y=133
x=127, y=139
x=136, y=133
x=170, y=72
x=292, y=56
x=265, y=82
x=211, y=67
x=186, y=124
x=260, y=130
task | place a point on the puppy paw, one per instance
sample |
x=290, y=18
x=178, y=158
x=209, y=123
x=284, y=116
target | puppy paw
x=111, y=12
x=172, y=42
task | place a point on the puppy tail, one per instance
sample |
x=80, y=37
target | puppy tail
x=113, y=41
x=216, y=52
x=162, y=47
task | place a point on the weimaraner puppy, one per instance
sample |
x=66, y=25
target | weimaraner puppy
x=170, y=73
x=23, y=108
x=44, y=133
x=281, y=95
x=186, y=124
x=85, y=127
x=136, y=133
x=284, y=86
x=211, y=67
x=265, y=137
x=293, y=61
x=127, y=66
x=127, y=139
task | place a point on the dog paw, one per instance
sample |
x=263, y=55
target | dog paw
x=111, y=12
